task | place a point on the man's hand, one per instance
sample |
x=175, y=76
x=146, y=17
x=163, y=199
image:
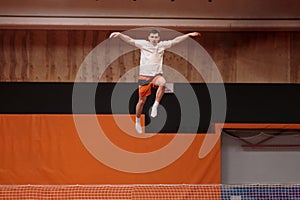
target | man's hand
x=194, y=34
x=114, y=34
x=123, y=37
x=184, y=37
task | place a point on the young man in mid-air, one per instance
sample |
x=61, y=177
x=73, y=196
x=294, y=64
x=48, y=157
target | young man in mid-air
x=150, y=71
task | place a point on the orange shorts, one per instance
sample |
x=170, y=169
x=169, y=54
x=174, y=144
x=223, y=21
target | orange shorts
x=145, y=90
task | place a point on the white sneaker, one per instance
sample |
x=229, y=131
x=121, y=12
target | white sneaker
x=138, y=128
x=153, y=111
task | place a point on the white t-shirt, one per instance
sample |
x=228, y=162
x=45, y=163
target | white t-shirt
x=151, y=56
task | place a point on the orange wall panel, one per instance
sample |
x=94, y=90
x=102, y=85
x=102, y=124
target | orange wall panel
x=48, y=149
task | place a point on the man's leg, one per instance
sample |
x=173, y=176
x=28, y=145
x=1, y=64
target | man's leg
x=138, y=110
x=161, y=83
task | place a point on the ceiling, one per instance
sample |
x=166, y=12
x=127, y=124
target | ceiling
x=169, y=12
x=208, y=9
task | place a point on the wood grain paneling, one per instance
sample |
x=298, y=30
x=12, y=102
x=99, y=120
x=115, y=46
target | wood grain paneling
x=57, y=55
x=295, y=57
x=38, y=58
x=223, y=48
x=263, y=57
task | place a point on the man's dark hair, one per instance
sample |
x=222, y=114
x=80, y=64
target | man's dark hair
x=154, y=31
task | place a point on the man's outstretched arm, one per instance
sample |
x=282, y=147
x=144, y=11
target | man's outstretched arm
x=184, y=37
x=124, y=37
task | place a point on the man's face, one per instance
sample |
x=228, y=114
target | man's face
x=154, y=38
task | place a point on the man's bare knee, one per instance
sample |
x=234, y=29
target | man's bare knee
x=142, y=101
x=161, y=82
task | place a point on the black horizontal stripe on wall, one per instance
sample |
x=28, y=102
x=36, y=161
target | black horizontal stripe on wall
x=246, y=103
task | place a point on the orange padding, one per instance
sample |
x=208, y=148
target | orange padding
x=48, y=149
x=258, y=126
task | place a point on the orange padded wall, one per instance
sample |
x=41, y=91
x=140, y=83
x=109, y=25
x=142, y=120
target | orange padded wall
x=48, y=149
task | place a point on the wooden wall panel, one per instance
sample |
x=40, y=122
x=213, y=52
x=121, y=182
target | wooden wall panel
x=6, y=47
x=223, y=48
x=2, y=57
x=263, y=57
x=87, y=47
x=74, y=52
x=57, y=55
x=38, y=59
x=177, y=63
x=295, y=57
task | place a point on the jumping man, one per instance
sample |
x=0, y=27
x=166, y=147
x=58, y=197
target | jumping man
x=150, y=72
